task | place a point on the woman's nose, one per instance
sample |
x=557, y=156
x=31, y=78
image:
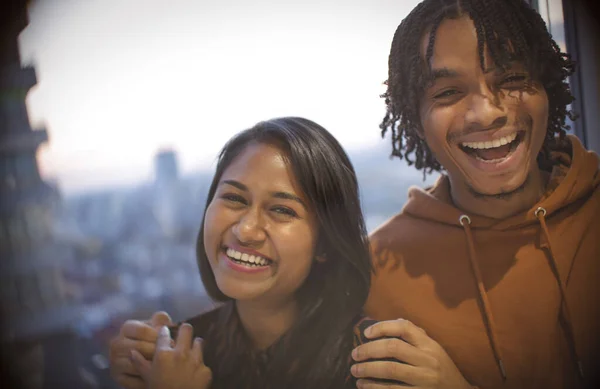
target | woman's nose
x=249, y=228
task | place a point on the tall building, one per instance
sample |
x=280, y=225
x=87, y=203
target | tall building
x=35, y=311
x=166, y=191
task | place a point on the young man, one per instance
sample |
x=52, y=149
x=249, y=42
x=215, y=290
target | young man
x=496, y=268
x=499, y=262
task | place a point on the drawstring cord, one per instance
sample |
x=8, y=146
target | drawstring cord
x=465, y=221
x=540, y=214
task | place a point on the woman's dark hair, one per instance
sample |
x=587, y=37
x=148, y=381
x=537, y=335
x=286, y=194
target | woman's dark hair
x=316, y=351
x=510, y=29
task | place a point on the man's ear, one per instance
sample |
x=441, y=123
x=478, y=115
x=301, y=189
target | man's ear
x=420, y=132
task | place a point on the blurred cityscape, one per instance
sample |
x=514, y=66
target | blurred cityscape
x=73, y=268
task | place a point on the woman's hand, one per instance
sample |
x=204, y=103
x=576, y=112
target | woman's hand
x=174, y=367
x=134, y=335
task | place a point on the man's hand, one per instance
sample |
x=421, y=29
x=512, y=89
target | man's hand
x=134, y=335
x=174, y=367
x=424, y=364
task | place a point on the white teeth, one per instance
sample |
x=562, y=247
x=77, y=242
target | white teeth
x=491, y=144
x=244, y=257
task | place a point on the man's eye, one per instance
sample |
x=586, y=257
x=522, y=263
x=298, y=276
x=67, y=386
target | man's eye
x=514, y=79
x=445, y=94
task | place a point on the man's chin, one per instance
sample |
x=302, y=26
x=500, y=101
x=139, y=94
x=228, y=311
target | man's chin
x=505, y=191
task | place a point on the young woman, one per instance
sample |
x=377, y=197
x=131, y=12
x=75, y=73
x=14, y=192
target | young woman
x=283, y=246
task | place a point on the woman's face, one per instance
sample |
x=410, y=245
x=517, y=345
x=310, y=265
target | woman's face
x=259, y=232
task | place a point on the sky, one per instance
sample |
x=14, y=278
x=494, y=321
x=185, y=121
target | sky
x=119, y=80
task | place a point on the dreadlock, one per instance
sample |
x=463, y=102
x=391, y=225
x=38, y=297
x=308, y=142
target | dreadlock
x=510, y=30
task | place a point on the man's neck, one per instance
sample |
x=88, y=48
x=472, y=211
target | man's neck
x=501, y=206
x=263, y=323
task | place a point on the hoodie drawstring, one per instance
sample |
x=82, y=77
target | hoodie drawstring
x=540, y=214
x=488, y=319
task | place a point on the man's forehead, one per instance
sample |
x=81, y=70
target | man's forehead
x=454, y=36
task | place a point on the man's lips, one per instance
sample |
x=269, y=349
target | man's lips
x=487, y=136
x=497, y=160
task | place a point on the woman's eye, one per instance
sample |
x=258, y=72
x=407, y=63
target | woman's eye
x=234, y=198
x=284, y=211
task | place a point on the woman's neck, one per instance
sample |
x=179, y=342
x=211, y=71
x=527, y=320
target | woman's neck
x=263, y=323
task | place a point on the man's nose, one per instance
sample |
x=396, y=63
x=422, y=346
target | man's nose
x=486, y=111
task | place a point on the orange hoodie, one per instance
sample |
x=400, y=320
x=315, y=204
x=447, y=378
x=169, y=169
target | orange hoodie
x=514, y=302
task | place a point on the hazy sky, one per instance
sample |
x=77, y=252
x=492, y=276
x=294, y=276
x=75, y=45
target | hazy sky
x=120, y=79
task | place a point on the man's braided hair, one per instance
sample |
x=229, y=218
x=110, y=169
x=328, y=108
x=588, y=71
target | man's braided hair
x=510, y=30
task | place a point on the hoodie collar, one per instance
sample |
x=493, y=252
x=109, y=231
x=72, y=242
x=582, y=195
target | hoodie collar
x=574, y=176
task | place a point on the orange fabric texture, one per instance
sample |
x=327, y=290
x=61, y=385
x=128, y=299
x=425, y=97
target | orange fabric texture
x=514, y=302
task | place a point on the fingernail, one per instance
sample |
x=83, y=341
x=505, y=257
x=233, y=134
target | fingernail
x=355, y=370
x=368, y=332
x=360, y=384
x=164, y=331
x=354, y=354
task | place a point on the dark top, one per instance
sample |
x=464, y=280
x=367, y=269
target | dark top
x=236, y=365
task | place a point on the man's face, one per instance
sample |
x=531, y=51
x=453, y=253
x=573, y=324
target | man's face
x=486, y=127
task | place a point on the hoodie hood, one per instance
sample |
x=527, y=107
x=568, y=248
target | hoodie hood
x=573, y=178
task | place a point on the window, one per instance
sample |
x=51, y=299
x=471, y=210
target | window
x=573, y=27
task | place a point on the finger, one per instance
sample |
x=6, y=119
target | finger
x=369, y=384
x=160, y=319
x=197, y=350
x=392, y=348
x=141, y=364
x=163, y=341
x=390, y=371
x=398, y=328
x=184, y=338
x=138, y=330
x=130, y=382
x=123, y=365
x=123, y=346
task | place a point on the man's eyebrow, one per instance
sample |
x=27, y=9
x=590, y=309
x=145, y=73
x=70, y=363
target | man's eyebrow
x=438, y=73
x=279, y=195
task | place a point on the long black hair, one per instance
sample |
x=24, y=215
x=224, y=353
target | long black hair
x=510, y=29
x=316, y=351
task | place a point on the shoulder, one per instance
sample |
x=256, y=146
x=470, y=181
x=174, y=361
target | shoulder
x=359, y=329
x=200, y=323
x=397, y=234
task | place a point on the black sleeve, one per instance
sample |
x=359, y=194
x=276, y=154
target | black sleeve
x=200, y=323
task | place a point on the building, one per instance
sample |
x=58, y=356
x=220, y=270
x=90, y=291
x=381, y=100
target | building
x=166, y=192
x=35, y=310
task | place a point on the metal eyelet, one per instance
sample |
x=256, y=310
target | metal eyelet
x=464, y=218
x=540, y=209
